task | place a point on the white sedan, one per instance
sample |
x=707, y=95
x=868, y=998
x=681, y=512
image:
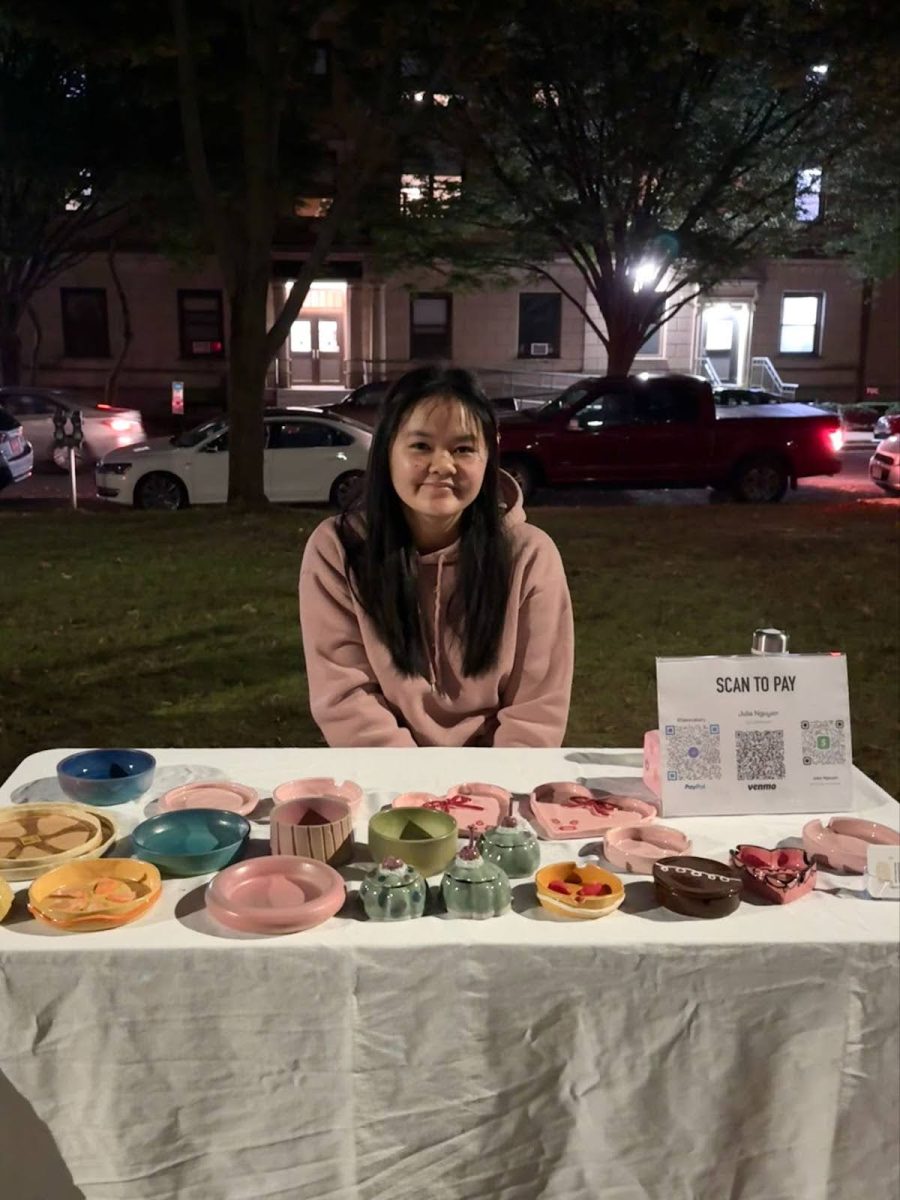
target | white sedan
x=884, y=465
x=309, y=456
x=105, y=428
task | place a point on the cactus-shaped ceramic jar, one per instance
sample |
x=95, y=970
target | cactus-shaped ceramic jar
x=512, y=846
x=393, y=891
x=473, y=887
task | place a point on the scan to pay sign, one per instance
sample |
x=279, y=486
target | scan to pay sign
x=754, y=734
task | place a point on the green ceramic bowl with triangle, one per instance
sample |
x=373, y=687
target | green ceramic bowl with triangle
x=423, y=837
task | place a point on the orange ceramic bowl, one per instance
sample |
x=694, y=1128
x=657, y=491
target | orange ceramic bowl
x=573, y=892
x=97, y=894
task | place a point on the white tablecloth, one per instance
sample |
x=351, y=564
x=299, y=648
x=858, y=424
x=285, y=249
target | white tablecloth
x=640, y=1057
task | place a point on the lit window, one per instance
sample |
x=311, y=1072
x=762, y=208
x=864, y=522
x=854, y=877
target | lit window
x=808, y=195
x=311, y=206
x=415, y=188
x=801, y=317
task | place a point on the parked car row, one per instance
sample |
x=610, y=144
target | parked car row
x=16, y=454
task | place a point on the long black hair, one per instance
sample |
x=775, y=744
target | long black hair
x=381, y=554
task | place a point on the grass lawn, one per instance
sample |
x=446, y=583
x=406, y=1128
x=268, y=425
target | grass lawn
x=127, y=628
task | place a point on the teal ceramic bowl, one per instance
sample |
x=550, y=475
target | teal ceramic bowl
x=425, y=838
x=191, y=841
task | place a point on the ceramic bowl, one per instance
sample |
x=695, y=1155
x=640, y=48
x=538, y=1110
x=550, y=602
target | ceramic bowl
x=37, y=833
x=570, y=810
x=636, y=848
x=279, y=894
x=310, y=789
x=193, y=841
x=216, y=793
x=426, y=838
x=6, y=898
x=843, y=843
x=697, y=887
x=319, y=827
x=100, y=894
x=779, y=876
x=578, y=893
x=106, y=776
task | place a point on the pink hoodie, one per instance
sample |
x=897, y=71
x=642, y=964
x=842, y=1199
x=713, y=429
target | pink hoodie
x=356, y=696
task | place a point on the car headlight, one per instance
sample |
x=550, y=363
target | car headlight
x=116, y=468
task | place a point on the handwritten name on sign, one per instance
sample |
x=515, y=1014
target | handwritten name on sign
x=755, y=683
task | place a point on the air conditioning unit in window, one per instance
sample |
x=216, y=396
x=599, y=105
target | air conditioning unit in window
x=540, y=349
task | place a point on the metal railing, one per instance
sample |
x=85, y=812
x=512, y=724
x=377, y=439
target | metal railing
x=710, y=371
x=764, y=375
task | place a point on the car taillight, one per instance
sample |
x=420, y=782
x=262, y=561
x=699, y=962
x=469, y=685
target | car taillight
x=120, y=424
x=835, y=439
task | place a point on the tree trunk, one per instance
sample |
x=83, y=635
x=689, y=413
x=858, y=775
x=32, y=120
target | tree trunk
x=865, y=327
x=110, y=388
x=10, y=346
x=36, y=347
x=247, y=366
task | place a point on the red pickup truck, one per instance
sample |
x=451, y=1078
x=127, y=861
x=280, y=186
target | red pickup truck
x=666, y=431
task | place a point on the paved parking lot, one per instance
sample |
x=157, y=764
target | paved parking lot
x=49, y=489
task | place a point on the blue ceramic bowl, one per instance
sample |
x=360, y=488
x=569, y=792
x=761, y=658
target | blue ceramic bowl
x=106, y=776
x=191, y=841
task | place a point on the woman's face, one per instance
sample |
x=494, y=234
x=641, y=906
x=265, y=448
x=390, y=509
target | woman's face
x=438, y=458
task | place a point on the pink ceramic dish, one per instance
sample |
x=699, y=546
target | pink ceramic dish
x=571, y=810
x=474, y=806
x=636, y=848
x=651, y=761
x=320, y=827
x=279, y=894
x=305, y=789
x=842, y=844
x=221, y=794
x=780, y=876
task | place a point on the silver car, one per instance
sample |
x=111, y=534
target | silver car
x=16, y=455
x=105, y=428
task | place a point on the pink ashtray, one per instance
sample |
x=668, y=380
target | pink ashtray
x=571, y=810
x=230, y=797
x=279, y=894
x=843, y=843
x=780, y=875
x=305, y=789
x=474, y=806
x=636, y=848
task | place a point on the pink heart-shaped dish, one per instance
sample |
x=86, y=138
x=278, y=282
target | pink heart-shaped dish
x=474, y=806
x=780, y=875
x=570, y=810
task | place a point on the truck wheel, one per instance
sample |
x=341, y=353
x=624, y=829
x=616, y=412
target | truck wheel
x=524, y=472
x=761, y=480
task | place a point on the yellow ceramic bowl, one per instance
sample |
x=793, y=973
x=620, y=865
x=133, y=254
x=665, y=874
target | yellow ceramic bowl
x=99, y=894
x=6, y=898
x=573, y=904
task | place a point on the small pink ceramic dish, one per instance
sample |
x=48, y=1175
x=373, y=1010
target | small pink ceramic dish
x=842, y=844
x=474, y=806
x=636, y=848
x=306, y=789
x=571, y=810
x=319, y=827
x=280, y=894
x=221, y=794
x=780, y=876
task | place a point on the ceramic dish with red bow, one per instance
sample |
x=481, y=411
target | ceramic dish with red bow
x=474, y=806
x=571, y=810
x=779, y=876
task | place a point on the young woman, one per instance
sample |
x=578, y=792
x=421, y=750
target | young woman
x=431, y=613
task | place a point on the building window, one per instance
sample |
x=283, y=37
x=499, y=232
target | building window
x=801, y=323
x=85, y=323
x=808, y=195
x=430, y=325
x=200, y=327
x=540, y=318
x=652, y=346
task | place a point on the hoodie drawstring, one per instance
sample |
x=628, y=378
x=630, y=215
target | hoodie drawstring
x=436, y=625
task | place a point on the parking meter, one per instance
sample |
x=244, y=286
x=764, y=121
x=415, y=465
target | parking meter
x=68, y=432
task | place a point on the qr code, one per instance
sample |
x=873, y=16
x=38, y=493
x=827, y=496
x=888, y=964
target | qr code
x=823, y=743
x=760, y=753
x=693, y=752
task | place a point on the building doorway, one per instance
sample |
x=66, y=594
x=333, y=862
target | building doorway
x=725, y=337
x=317, y=350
